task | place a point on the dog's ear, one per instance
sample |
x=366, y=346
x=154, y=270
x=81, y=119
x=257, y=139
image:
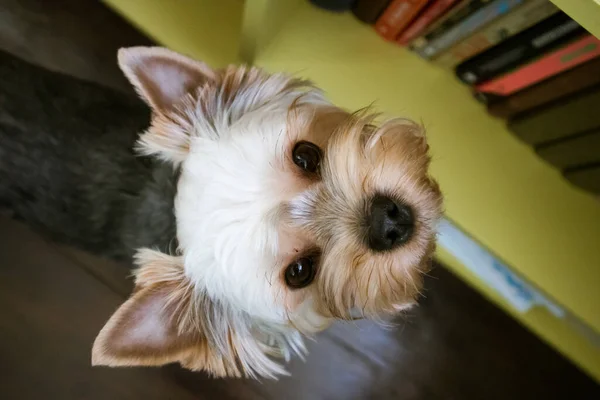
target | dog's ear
x=161, y=76
x=166, y=321
x=145, y=329
x=164, y=79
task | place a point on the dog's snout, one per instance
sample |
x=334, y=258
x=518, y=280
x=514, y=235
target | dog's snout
x=390, y=223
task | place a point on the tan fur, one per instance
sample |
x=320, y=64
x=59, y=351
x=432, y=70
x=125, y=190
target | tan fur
x=358, y=159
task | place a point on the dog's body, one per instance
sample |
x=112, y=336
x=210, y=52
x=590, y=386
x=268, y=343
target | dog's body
x=67, y=165
x=256, y=211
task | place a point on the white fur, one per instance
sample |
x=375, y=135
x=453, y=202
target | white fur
x=229, y=214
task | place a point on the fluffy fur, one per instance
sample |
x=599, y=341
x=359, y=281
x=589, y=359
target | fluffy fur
x=67, y=165
x=243, y=211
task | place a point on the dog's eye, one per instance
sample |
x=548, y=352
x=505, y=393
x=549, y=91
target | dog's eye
x=307, y=156
x=300, y=273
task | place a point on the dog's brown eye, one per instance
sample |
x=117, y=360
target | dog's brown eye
x=300, y=273
x=307, y=156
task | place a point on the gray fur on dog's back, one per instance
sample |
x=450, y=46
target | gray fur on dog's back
x=67, y=165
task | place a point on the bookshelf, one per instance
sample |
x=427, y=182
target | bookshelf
x=497, y=191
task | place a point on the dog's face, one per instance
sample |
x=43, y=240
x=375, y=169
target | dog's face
x=290, y=213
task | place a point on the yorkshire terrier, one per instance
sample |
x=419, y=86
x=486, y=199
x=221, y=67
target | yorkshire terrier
x=256, y=211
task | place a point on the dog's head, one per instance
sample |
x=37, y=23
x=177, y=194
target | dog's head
x=290, y=213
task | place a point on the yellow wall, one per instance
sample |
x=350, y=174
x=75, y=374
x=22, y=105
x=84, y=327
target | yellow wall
x=208, y=30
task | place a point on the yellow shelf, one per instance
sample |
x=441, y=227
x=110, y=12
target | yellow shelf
x=496, y=189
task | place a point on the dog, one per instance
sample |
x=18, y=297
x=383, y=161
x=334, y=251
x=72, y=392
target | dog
x=255, y=210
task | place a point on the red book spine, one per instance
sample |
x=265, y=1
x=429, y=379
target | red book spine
x=397, y=16
x=429, y=16
x=575, y=53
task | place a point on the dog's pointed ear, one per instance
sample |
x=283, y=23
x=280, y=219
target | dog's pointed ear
x=166, y=321
x=145, y=330
x=142, y=332
x=162, y=77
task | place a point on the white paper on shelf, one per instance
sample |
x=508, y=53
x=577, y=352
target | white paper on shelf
x=514, y=289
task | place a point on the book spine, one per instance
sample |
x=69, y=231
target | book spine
x=521, y=18
x=570, y=116
x=586, y=178
x=455, y=15
x=397, y=17
x=562, y=85
x=368, y=11
x=430, y=15
x=583, y=149
x=530, y=43
x=468, y=26
x=333, y=5
x=576, y=53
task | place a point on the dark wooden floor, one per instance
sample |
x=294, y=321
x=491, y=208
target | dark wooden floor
x=54, y=300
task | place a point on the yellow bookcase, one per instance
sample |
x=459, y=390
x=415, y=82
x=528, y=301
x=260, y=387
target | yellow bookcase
x=497, y=190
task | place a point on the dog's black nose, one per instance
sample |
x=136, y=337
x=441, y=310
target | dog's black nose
x=390, y=224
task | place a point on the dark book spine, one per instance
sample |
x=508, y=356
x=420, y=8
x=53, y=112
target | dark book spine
x=578, y=150
x=333, y=5
x=368, y=11
x=563, y=85
x=531, y=43
x=586, y=178
x=570, y=116
x=448, y=21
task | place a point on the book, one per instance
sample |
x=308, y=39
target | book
x=368, y=11
x=333, y=5
x=431, y=13
x=466, y=27
x=522, y=17
x=582, y=149
x=586, y=178
x=456, y=14
x=397, y=16
x=545, y=92
x=575, y=53
x=531, y=43
x=564, y=118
